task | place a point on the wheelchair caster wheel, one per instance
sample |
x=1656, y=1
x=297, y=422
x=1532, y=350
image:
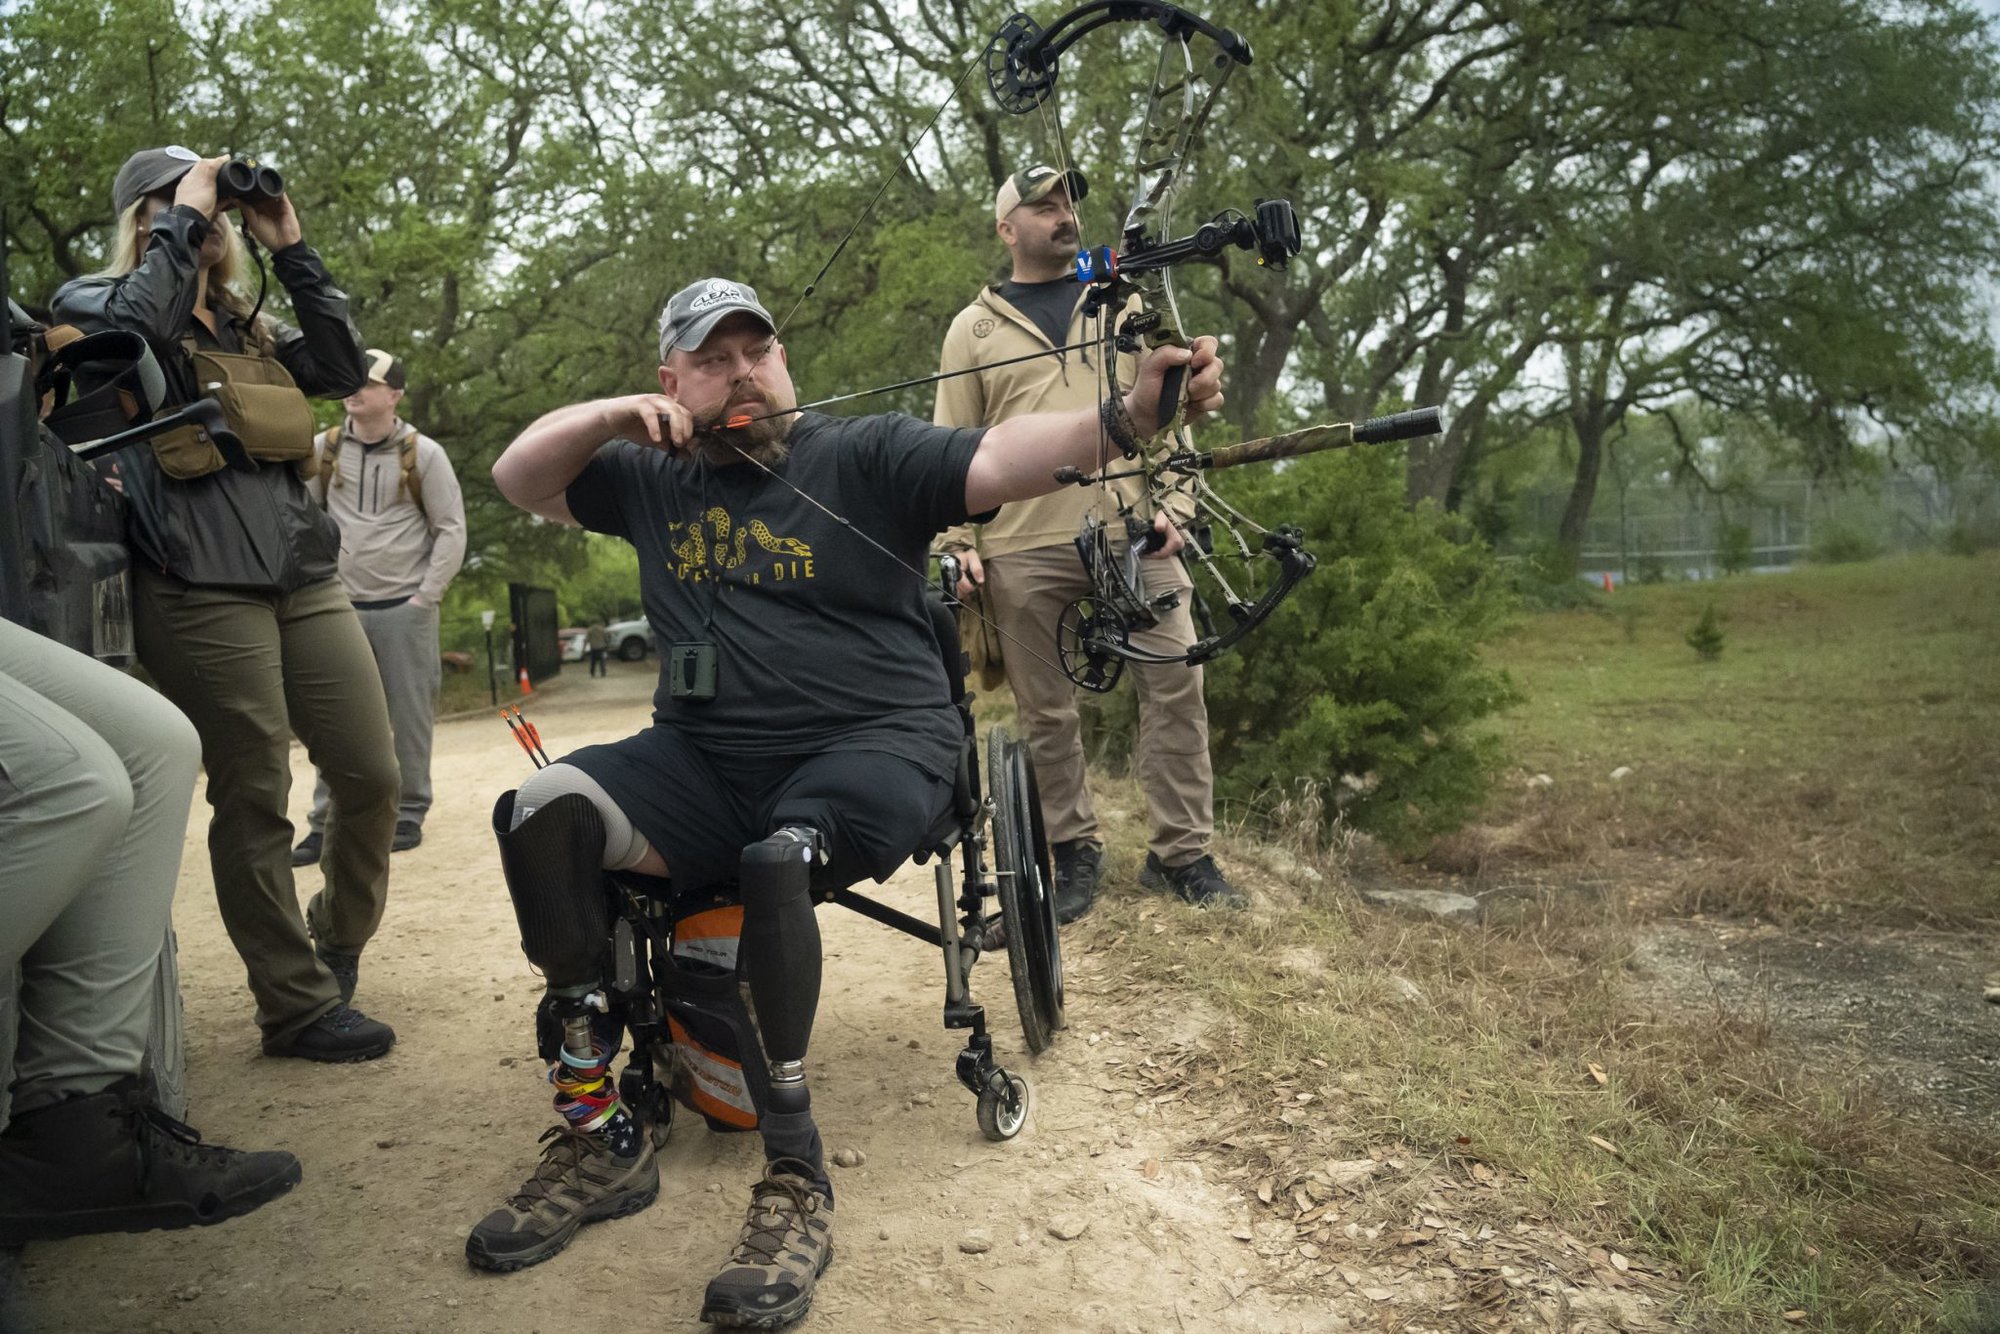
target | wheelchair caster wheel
x=1003, y=1111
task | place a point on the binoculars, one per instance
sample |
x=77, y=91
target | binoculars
x=246, y=179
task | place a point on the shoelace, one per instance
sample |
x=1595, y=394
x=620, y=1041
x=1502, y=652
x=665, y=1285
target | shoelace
x=771, y=1223
x=171, y=1138
x=567, y=1148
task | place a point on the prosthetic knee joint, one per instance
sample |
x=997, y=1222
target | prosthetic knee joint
x=553, y=862
x=781, y=953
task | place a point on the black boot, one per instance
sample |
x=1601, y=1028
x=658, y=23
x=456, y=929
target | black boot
x=112, y=1162
x=1079, y=863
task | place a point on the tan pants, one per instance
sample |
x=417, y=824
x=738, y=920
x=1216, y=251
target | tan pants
x=1026, y=592
x=250, y=669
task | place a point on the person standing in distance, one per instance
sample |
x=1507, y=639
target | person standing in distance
x=402, y=539
x=1025, y=561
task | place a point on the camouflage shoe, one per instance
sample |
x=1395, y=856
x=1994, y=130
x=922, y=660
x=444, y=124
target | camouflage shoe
x=786, y=1245
x=580, y=1180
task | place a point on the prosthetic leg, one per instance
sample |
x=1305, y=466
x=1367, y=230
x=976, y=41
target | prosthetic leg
x=600, y=1163
x=787, y=1238
x=780, y=955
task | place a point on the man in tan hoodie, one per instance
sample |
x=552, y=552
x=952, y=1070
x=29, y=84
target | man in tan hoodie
x=1026, y=566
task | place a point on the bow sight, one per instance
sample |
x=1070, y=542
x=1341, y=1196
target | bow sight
x=1273, y=233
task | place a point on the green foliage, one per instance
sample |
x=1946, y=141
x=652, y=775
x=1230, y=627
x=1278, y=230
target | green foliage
x=1734, y=550
x=1371, y=672
x=1835, y=543
x=1706, y=636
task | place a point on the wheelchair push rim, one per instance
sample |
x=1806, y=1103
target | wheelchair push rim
x=1026, y=889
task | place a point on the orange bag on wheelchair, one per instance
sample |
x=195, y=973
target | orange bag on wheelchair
x=709, y=1019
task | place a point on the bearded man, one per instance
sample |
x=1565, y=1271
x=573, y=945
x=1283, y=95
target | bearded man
x=803, y=734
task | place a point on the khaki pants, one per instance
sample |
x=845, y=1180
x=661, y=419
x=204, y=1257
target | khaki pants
x=250, y=669
x=96, y=776
x=1026, y=592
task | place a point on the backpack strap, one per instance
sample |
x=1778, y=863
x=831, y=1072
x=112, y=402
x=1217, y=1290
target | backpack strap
x=413, y=482
x=327, y=460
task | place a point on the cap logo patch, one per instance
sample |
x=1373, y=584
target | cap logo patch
x=180, y=154
x=719, y=292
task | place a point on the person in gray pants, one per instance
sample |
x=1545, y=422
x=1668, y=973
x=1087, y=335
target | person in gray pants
x=391, y=490
x=97, y=775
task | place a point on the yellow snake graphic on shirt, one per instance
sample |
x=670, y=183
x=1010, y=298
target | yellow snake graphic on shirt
x=717, y=542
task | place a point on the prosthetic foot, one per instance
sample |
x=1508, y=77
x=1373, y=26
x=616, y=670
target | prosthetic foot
x=787, y=1239
x=599, y=1163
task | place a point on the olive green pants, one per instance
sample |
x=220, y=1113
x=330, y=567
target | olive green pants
x=251, y=669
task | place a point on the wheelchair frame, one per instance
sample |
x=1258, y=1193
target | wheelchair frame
x=1004, y=818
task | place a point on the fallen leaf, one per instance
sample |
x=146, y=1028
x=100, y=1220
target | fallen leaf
x=1619, y=1262
x=1150, y=1168
x=1377, y=1294
x=1605, y=1145
x=1796, y=1317
x=1597, y=1073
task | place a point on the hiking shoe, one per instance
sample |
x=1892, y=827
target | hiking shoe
x=786, y=1244
x=1078, y=863
x=339, y=1036
x=308, y=850
x=580, y=1180
x=408, y=834
x=113, y=1162
x=345, y=967
x=1199, y=882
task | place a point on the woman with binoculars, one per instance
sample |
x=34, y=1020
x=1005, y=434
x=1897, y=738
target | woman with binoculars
x=237, y=613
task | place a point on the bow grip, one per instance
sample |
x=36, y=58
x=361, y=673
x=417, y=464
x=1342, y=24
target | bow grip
x=1171, y=385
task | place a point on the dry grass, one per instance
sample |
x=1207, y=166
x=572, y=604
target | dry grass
x=1841, y=763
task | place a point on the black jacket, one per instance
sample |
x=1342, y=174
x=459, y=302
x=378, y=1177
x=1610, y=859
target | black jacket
x=254, y=530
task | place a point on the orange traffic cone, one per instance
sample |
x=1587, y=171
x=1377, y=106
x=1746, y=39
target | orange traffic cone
x=1607, y=581
x=526, y=687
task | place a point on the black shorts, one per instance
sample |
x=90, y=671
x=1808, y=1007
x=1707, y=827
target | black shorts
x=699, y=810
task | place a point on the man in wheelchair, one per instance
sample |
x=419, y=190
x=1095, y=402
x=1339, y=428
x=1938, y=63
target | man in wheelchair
x=803, y=736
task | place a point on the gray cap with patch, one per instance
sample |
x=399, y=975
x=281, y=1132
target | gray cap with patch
x=696, y=309
x=148, y=171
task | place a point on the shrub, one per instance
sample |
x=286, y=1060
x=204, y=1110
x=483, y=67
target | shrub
x=1706, y=637
x=1734, y=549
x=1843, y=544
x=1371, y=672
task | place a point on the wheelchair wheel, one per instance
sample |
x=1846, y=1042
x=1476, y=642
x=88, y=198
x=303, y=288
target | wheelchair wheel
x=1027, y=889
x=1002, y=1114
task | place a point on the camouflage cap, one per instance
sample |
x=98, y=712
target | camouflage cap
x=148, y=171
x=694, y=311
x=384, y=367
x=1032, y=183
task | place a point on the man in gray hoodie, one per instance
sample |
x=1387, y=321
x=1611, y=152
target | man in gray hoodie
x=402, y=538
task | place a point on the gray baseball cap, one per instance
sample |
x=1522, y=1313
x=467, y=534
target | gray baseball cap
x=696, y=309
x=148, y=171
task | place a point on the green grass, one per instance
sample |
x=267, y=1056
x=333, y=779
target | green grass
x=1841, y=756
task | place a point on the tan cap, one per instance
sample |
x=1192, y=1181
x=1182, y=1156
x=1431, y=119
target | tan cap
x=384, y=368
x=1032, y=183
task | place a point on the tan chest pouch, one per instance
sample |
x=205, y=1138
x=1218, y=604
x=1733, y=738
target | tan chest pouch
x=263, y=406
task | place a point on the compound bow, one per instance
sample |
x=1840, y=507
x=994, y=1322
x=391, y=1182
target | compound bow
x=1132, y=298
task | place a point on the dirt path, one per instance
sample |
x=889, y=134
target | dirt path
x=402, y=1155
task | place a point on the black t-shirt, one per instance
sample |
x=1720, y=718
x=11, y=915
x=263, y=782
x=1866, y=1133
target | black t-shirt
x=821, y=640
x=1050, y=305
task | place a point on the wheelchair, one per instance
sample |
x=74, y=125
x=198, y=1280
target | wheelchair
x=994, y=884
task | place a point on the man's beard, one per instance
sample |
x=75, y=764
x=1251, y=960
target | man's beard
x=762, y=442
